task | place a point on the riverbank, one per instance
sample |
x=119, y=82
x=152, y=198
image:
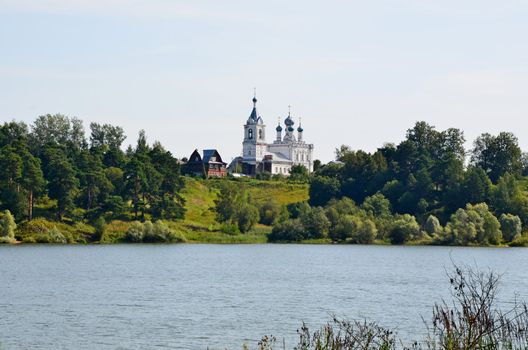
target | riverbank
x=199, y=225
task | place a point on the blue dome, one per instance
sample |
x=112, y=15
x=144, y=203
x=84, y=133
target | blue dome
x=278, y=128
x=290, y=129
x=300, y=129
x=289, y=121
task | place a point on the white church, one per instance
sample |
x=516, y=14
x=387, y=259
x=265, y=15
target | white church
x=277, y=157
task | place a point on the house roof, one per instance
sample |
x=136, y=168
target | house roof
x=208, y=153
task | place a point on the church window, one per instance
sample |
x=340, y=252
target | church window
x=250, y=134
x=302, y=157
x=260, y=134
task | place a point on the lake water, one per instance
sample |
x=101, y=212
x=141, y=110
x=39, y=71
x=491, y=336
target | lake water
x=221, y=296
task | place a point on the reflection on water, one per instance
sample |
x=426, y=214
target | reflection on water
x=218, y=296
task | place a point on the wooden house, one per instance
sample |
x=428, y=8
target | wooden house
x=210, y=165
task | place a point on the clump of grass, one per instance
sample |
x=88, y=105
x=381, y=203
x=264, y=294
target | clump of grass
x=471, y=321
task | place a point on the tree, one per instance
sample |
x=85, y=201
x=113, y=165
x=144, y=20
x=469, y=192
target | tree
x=271, y=212
x=474, y=224
x=511, y=227
x=315, y=223
x=287, y=231
x=32, y=180
x=508, y=198
x=59, y=130
x=62, y=183
x=377, y=205
x=322, y=189
x=404, y=229
x=299, y=173
x=247, y=217
x=106, y=136
x=497, y=155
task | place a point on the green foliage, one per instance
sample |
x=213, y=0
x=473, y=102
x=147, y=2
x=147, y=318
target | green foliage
x=247, y=217
x=287, y=231
x=432, y=226
x=323, y=189
x=315, y=223
x=149, y=232
x=473, y=225
x=100, y=229
x=404, y=229
x=7, y=227
x=234, y=205
x=271, y=212
x=511, y=227
x=299, y=173
x=497, y=155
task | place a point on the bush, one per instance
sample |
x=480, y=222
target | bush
x=404, y=229
x=271, y=212
x=149, y=232
x=54, y=235
x=7, y=227
x=474, y=224
x=248, y=216
x=134, y=233
x=100, y=229
x=315, y=223
x=365, y=233
x=432, y=226
x=511, y=227
x=287, y=231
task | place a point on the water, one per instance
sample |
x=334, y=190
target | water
x=221, y=296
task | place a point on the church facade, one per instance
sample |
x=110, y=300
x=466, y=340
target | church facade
x=288, y=148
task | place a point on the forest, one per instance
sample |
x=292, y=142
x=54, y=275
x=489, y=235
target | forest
x=428, y=189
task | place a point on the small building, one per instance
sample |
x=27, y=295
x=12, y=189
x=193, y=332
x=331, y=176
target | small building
x=210, y=165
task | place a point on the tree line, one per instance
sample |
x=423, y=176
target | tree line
x=426, y=187
x=52, y=163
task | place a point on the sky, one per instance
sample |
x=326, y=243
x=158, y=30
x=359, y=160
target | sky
x=358, y=73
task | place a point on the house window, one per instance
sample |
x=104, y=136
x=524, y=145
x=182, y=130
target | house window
x=250, y=134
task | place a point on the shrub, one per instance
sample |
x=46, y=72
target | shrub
x=54, y=235
x=149, y=232
x=432, y=226
x=100, y=229
x=511, y=227
x=287, y=231
x=365, y=233
x=345, y=227
x=271, y=212
x=134, y=233
x=315, y=223
x=248, y=216
x=474, y=224
x=404, y=229
x=7, y=227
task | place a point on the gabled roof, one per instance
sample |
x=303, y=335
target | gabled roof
x=195, y=156
x=208, y=153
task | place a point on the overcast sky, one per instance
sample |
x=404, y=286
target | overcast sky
x=357, y=72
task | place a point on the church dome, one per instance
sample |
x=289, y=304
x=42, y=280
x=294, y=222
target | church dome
x=290, y=128
x=300, y=129
x=278, y=128
x=289, y=121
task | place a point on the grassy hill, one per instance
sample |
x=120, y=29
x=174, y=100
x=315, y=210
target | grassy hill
x=199, y=225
